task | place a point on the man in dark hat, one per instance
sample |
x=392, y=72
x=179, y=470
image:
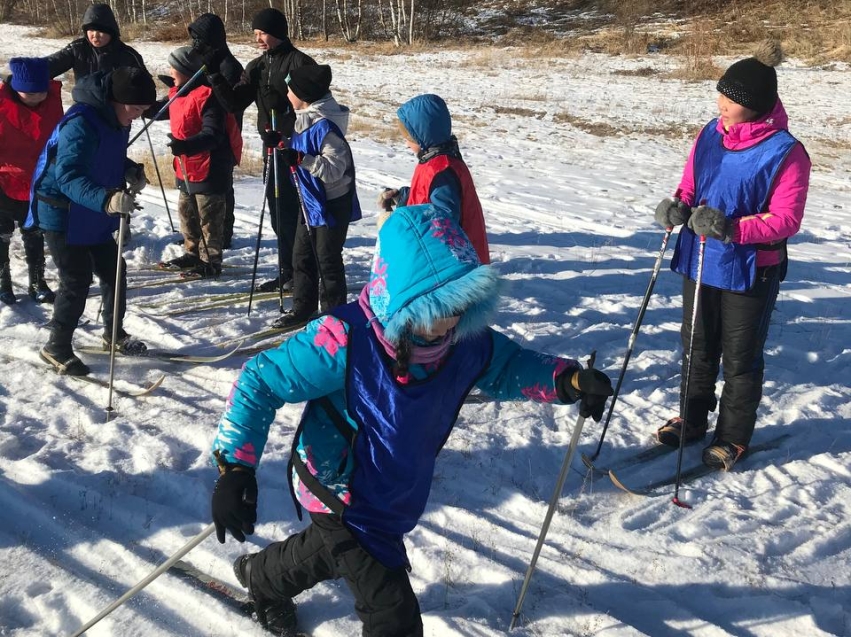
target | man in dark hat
x=100, y=48
x=264, y=83
x=83, y=180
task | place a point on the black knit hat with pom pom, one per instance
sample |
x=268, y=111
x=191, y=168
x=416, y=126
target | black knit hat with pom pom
x=752, y=82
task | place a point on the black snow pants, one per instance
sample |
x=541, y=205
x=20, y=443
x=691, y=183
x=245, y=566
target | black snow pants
x=384, y=599
x=285, y=213
x=731, y=331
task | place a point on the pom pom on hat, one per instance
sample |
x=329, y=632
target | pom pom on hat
x=752, y=82
x=129, y=85
x=30, y=75
x=310, y=82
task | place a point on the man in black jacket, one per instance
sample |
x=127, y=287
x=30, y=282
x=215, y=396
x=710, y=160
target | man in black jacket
x=209, y=30
x=100, y=48
x=264, y=83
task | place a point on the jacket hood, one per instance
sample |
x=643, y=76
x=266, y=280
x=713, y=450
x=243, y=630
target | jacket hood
x=94, y=90
x=327, y=108
x=426, y=269
x=427, y=120
x=209, y=29
x=746, y=134
x=100, y=15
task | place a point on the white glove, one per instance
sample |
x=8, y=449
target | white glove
x=136, y=178
x=120, y=203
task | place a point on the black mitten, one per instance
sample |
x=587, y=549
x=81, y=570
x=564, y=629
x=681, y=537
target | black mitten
x=589, y=386
x=271, y=138
x=235, y=502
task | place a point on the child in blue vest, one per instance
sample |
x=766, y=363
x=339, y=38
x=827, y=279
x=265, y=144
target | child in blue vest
x=744, y=188
x=384, y=379
x=83, y=180
x=320, y=159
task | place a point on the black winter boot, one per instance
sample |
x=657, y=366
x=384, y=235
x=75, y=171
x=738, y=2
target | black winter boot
x=275, y=615
x=60, y=355
x=7, y=295
x=34, y=250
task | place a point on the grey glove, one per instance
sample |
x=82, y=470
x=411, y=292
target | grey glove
x=120, y=203
x=711, y=222
x=671, y=212
x=388, y=198
x=136, y=178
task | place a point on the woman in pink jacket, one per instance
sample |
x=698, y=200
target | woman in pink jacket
x=744, y=188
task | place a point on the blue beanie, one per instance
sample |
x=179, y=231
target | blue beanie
x=30, y=75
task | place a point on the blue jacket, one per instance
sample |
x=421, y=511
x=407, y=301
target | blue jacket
x=424, y=268
x=83, y=163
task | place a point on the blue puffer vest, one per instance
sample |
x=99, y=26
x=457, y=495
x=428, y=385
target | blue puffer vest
x=738, y=182
x=309, y=142
x=83, y=226
x=400, y=430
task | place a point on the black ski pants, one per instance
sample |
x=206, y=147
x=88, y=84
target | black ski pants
x=731, y=330
x=318, y=255
x=384, y=599
x=14, y=212
x=285, y=212
x=76, y=264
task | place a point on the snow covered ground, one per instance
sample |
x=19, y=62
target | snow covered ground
x=91, y=507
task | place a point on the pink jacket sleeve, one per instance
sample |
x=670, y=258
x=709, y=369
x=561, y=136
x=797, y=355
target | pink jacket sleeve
x=685, y=191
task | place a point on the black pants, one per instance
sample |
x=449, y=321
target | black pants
x=76, y=264
x=731, y=330
x=384, y=599
x=285, y=212
x=12, y=213
x=326, y=248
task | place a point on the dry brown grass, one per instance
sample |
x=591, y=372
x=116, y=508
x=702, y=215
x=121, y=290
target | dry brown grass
x=607, y=129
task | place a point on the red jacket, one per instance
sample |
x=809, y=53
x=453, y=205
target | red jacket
x=186, y=117
x=24, y=132
x=472, y=217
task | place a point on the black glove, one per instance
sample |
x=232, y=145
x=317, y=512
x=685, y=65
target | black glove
x=672, y=212
x=711, y=222
x=589, y=386
x=271, y=138
x=178, y=146
x=291, y=157
x=235, y=502
x=210, y=56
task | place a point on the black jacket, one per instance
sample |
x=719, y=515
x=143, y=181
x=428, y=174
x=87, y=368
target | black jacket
x=264, y=83
x=210, y=30
x=85, y=59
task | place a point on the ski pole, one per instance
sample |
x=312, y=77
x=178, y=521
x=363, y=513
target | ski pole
x=684, y=406
x=259, y=228
x=632, y=338
x=562, y=476
x=274, y=118
x=159, y=179
x=162, y=568
x=194, y=204
x=116, y=291
x=181, y=91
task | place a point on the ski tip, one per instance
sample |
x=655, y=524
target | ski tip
x=620, y=485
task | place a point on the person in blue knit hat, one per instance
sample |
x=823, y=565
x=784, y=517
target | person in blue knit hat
x=30, y=108
x=384, y=379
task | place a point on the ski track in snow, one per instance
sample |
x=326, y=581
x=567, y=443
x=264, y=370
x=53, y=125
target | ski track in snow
x=91, y=507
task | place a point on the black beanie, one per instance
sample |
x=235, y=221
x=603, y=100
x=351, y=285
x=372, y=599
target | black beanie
x=310, y=82
x=271, y=21
x=130, y=85
x=752, y=82
x=185, y=61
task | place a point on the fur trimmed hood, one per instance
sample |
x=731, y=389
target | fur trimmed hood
x=426, y=269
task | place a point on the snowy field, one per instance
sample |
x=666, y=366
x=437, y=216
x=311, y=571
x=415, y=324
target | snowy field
x=90, y=508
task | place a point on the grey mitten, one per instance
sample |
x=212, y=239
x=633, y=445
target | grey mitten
x=120, y=203
x=711, y=222
x=136, y=178
x=388, y=198
x=672, y=212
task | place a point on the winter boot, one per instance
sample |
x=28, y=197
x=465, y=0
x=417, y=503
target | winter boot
x=203, y=270
x=722, y=455
x=34, y=250
x=185, y=261
x=59, y=354
x=7, y=295
x=272, y=286
x=125, y=344
x=278, y=616
x=291, y=319
x=669, y=433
